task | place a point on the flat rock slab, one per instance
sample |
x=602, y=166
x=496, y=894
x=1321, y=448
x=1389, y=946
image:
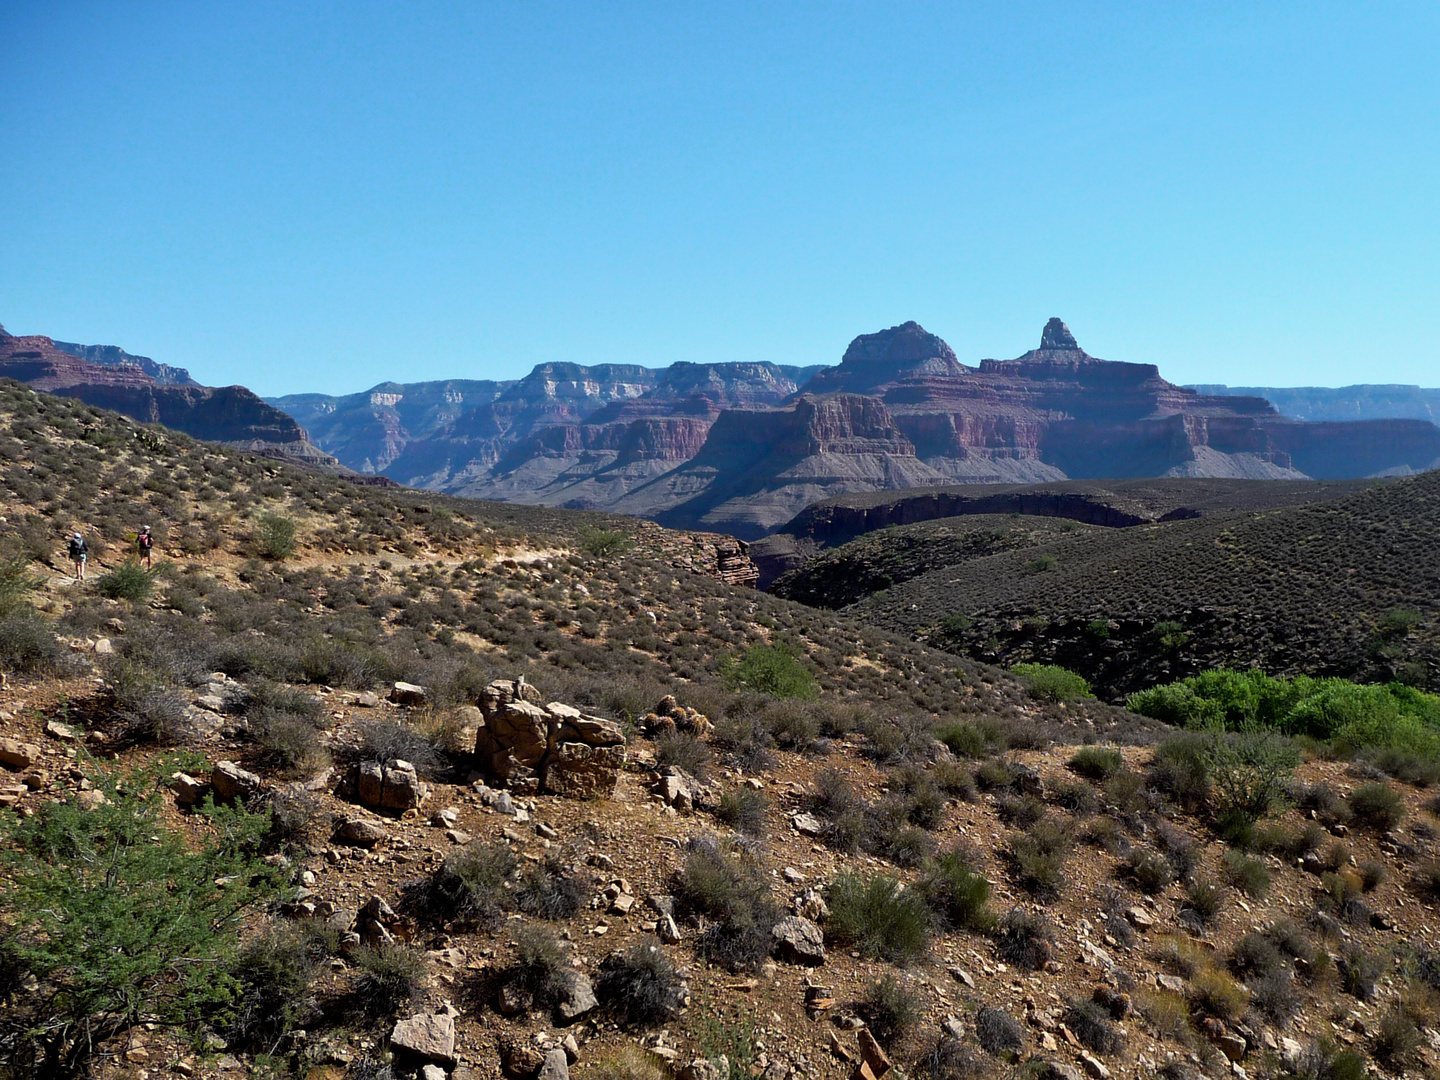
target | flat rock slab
x=429, y=1037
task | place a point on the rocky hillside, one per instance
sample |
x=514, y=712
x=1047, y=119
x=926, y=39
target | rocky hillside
x=742, y=448
x=390, y=784
x=110, y=378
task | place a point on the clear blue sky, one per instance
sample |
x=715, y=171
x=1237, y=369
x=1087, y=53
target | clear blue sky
x=302, y=196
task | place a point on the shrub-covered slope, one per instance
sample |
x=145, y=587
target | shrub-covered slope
x=1348, y=587
x=868, y=847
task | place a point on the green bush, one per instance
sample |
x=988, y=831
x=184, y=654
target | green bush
x=128, y=581
x=958, y=894
x=1250, y=774
x=275, y=537
x=16, y=584
x=732, y=894
x=119, y=919
x=471, y=884
x=1351, y=715
x=1248, y=875
x=603, y=544
x=273, y=975
x=1377, y=805
x=27, y=645
x=744, y=809
x=879, y=916
x=1048, y=682
x=387, y=978
x=1097, y=762
x=770, y=669
x=1025, y=940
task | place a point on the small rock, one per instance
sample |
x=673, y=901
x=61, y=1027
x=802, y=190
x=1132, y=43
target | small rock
x=577, y=997
x=429, y=1037
x=404, y=693
x=361, y=831
x=103, y=647
x=63, y=732
x=230, y=781
x=1139, y=918
x=188, y=790
x=556, y=1066
x=18, y=755
x=873, y=1054
x=808, y=825
x=432, y=1072
x=1094, y=1066
x=799, y=940
x=1232, y=1046
x=367, y=699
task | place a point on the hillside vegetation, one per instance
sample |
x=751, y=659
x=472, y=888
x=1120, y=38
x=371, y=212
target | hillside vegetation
x=830, y=851
x=1347, y=587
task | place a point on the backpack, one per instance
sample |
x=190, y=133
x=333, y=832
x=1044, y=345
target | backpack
x=77, y=548
x=146, y=541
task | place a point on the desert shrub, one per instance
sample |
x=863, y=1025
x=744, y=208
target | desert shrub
x=1038, y=859
x=547, y=889
x=385, y=741
x=950, y=1059
x=293, y=812
x=1019, y=811
x=1377, y=805
x=1203, y=902
x=1181, y=852
x=998, y=1032
x=1048, y=682
x=957, y=894
x=685, y=752
x=27, y=646
x=1180, y=769
x=291, y=743
x=1025, y=940
x=603, y=544
x=1077, y=797
x=273, y=974
x=966, y=738
x=891, y=1009
x=386, y=977
x=1181, y=955
x=1150, y=871
x=735, y=897
x=955, y=779
x=470, y=884
x=1167, y=1013
x=1274, y=995
x=540, y=966
x=1398, y=1037
x=994, y=775
x=792, y=724
x=1106, y=833
x=1358, y=971
x=744, y=809
x=1372, y=875
x=1097, y=762
x=128, y=581
x=16, y=583
x=640, y=984
x=1426, y=879
x=1246, y=874
x=834, y=794
x=1219, y=995
x=629, y=1063
x=1091, y=1024
x=879, y=916
x=117, y=919
x=1126, y=792
x=1250, y=775
x=1325, y=1060
x=770, y=669
x=275, y=537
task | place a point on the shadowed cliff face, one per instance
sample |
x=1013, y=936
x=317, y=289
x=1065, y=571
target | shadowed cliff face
x=227, y=414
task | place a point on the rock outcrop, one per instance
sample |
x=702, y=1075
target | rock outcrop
x=227, y=414
x=554, y=747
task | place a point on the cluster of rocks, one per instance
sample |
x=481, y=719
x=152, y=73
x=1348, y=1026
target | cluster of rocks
x=392, y=786
x=670, y=717
x=530, y=747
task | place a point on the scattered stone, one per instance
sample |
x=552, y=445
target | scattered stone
x=432, y=1072
x=361, y=831
x=799, y=940
x=230, y=781
x=520, y=1059
x=577, y=997
x=1139, y=918
x=873, y=1054
x=811, y=905
x=1094, y=1066
x=546, y=832
x=18, y=755
x=63, y=732
x=1232, y=1046
x=808, y=825
x=367, y=699
x=962, y=976
x=404, y=693
x=188, y=790
x=104, y=647
x=429, y=1037
x=555, y=1067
